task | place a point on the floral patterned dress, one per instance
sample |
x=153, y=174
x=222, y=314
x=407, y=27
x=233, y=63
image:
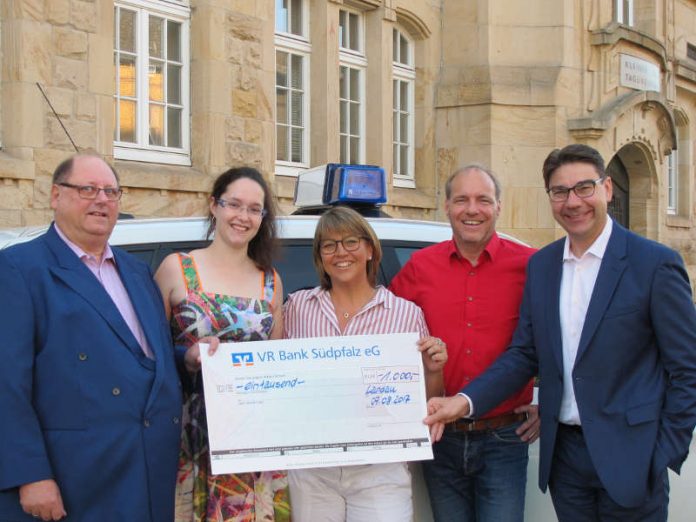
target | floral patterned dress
x=202, y=497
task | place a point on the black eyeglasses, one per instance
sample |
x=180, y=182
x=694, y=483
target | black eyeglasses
x=583, y=189
x=350, y=244
x=91, y=192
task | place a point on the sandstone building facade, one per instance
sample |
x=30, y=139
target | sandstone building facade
x=175, y=91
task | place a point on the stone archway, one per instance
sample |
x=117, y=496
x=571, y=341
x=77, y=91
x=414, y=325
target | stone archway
x=619, y=205
x=635, y=173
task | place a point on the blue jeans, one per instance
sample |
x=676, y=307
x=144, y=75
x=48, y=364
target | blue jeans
x=478, y=476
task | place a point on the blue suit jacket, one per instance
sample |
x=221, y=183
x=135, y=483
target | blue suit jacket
x=79, y=401
x=635, y=371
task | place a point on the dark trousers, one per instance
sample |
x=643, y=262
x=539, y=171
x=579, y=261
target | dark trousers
x=578, y=495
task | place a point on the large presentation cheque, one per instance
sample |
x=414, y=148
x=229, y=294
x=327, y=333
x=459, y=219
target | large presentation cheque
x=305, y=403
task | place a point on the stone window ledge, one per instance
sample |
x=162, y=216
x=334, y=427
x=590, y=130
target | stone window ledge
x=614, y=32
x=412, y=197
x=15, y=168
x=678, y=221
x=140, y=175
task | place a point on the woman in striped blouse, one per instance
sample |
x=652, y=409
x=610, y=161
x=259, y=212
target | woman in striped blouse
x=348, y=301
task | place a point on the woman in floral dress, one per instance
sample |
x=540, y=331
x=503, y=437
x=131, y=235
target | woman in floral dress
x=227, y=290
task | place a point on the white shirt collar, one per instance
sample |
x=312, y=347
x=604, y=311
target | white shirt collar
x=597, y=249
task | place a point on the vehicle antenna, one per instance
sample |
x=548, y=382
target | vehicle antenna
x=57, y=117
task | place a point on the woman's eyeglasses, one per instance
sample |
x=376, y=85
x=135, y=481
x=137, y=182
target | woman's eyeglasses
x=350, y=244
x=238, y=208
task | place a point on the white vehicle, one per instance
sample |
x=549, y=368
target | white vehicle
x=153, y=239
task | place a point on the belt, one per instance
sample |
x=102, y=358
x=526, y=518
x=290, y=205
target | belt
x=575, y=428
x=491, y=423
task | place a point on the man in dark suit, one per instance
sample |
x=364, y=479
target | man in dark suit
x=607, y=321
x=89, y=394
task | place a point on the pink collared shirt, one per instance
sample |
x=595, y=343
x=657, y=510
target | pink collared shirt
x=107, y=274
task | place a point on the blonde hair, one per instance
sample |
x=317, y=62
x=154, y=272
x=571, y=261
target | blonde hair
x=346, y=220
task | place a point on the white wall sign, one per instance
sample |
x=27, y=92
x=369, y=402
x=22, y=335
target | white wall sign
x=640, y=74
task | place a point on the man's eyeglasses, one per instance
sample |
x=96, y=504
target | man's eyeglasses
x=91, y=192
x=238, y=208
x=583, y=189
x=329, y=246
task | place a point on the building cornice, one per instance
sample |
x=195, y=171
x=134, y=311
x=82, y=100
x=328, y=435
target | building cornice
x=598, y=122
x=614, y=32
x=417, y=27
x=366, y=5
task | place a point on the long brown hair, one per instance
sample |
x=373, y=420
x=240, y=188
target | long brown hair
x=263, y=246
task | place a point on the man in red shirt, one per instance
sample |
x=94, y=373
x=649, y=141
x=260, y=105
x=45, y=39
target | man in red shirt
x=470, y=289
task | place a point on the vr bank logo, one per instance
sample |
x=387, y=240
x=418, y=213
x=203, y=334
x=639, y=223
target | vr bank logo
x=242, y=358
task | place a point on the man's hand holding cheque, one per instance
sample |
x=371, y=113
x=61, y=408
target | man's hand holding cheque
x=442, y=410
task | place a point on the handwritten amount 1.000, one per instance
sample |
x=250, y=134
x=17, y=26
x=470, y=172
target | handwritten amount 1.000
x=390, y=376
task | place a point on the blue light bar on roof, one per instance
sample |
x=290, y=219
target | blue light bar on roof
x=336, y=183
x=355, y=184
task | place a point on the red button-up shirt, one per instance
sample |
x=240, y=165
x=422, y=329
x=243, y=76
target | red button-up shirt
x=474, y=309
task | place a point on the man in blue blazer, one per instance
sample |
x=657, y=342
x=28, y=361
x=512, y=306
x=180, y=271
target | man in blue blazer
x=608, y=324
x=89, y=394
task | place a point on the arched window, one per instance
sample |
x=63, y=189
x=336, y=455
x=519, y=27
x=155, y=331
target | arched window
x=293, y=52
x=351, y=78
x=151, y=57
x=673, y=182
x=403, y=108
x=678, y=167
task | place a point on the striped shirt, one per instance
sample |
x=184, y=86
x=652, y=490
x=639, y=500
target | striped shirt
x=310, y=313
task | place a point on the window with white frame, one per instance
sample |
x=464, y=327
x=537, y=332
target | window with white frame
x=293, y=52
x=673, y=182
x=403, y=109
x=351, y=86
x=624, y=12
x=151, y=60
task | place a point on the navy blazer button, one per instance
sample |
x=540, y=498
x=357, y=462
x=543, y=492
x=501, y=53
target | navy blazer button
x=116, y=391
x=175, y=420
x=146, y=423
x=82, y=356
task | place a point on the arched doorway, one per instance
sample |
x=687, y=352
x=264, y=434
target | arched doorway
x=618, y=207
x=635, y=200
